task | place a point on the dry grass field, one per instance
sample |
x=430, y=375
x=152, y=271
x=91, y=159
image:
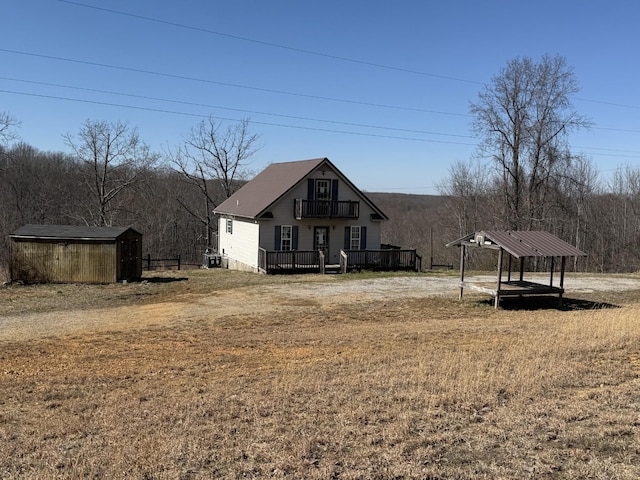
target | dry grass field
x=217, y=374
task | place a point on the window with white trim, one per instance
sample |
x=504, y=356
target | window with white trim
x=286, y=238
x=355, y=238
x=229, y=225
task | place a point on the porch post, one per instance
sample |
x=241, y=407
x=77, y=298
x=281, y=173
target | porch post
x=563, y=264
x=551, y=275
x=462, y=251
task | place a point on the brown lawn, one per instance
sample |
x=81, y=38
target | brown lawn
x=219, y=374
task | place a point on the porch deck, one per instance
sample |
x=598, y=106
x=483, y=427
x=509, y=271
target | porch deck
x=312, y=261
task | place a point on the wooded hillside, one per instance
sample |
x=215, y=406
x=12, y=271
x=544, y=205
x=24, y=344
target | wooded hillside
x=57, y=188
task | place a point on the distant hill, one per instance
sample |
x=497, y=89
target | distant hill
x=414, y=220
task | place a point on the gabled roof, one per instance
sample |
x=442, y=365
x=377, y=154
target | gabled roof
x=521, y=243
x=258, y=195
x=68, y=232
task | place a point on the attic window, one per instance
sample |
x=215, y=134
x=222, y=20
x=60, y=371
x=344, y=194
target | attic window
x=323, y=191
x=229, y=226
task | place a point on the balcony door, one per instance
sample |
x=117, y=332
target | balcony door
x=321, y=240
x=323, y=197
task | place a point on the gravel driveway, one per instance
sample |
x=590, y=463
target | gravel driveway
x=265, y=299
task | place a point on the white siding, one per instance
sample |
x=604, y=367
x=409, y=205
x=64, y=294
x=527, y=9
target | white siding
x=241, y=246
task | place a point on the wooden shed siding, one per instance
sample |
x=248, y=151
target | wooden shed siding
x=46, y=261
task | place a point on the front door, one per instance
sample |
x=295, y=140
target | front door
x=321, y=240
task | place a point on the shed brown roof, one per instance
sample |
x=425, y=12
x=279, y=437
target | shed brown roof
x=522, y=243
x=68, y=232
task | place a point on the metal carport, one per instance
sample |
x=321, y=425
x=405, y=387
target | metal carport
x=518, y=245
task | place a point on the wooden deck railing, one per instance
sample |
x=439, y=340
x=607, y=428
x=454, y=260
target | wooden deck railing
x=313, y=261
x=292, y=262
x=393, y=259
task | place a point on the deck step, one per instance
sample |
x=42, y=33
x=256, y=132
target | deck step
x=333, y=268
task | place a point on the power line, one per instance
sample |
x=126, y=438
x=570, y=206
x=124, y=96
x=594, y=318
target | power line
x=257, y=112
x=270, y=44
x=607, y=103
x=299, y=127
x=182, y=77
x=226, y=84
x=196, y=104
x=622, y=153
x=309, y=52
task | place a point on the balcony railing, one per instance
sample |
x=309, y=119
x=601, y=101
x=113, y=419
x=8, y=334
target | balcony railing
x=393, y=259
x=326, y=209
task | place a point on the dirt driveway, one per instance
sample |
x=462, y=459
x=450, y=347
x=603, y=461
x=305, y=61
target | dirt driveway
x=265, y=299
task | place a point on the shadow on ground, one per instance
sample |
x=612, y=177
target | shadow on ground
x=164, y=279
x=550, y=303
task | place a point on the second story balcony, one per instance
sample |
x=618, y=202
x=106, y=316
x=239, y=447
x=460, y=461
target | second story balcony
x=326, y=209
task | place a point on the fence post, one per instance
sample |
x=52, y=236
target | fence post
x=179, y=261
x=148, y=261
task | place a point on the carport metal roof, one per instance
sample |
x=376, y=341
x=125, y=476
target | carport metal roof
x=520, y=243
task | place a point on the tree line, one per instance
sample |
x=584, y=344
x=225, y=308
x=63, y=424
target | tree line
x=524, y=177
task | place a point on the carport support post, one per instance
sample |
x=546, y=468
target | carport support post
x=563, y=264
x=497, y=301
x=462, y=252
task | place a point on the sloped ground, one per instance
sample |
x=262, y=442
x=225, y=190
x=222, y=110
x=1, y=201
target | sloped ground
x=216, y=374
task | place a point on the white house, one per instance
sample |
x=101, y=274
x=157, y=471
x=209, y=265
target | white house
x=294, y=213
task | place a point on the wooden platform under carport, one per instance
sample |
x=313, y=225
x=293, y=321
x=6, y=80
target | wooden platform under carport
x=513, y=288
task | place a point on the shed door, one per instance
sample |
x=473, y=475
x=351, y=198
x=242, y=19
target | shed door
x=128, y=259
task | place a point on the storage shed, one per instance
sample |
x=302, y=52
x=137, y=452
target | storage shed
x=65, y=253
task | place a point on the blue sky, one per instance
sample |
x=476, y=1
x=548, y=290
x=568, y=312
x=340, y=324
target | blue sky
x=381, y=88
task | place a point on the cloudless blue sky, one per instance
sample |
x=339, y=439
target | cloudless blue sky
x=381, y=88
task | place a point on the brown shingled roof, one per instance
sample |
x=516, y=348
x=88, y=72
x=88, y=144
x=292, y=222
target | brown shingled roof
x=259, y=194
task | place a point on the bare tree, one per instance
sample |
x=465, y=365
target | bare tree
x=467, y=191
x=7, y=123
x=213, y=155
x=524, y=117
x=114, y=158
